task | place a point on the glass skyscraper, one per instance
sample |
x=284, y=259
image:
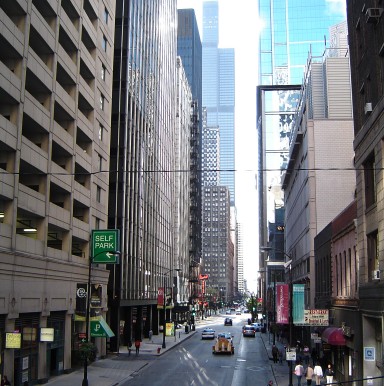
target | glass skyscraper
x=291, y=30
x=219, y=92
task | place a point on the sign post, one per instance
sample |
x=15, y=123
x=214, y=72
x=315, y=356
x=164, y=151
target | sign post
x=105, y=249
x=104, y=244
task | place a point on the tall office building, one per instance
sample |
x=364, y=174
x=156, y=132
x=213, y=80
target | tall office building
x=142, y=189
x=56, y=90
x=190, y=51
x=291, y=30
x=218, y=247
x=219, y=92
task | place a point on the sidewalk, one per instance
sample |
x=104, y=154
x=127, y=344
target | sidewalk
x=281, y=371
x=119, y=367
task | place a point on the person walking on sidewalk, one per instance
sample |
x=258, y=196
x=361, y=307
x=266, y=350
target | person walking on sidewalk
x=299, y=371
x=309, y=374
x=137, y=345
x=318, y=371
x=281, y=356
x=329, y=374
x=275, y=353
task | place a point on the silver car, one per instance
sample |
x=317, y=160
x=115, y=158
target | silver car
x=208, y=333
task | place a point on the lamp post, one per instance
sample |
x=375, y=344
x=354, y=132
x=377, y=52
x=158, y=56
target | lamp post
x=87, y=311
x=288, y=264
x=164, y=303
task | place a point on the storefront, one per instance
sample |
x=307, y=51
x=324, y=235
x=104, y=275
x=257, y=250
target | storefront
x=26, y=357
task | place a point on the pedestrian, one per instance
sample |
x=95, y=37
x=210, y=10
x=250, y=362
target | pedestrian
x=137, y=345
x=299, y=371
x=318, y=371
x=129, y=347
x=5, y=382
x=329, y=374
x=306, y=354
x=275, y=353
x=281, y=355
x=150, y=334
x=309, y=374
x=314, y=356
x=270, y=383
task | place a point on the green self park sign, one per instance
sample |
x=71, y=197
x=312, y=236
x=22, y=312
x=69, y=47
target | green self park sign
x=105, y=246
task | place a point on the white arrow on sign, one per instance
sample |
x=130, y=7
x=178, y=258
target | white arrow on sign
x=110, y=255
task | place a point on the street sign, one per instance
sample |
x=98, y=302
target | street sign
x=105, y=244
x=290, y=355
x=100, y=328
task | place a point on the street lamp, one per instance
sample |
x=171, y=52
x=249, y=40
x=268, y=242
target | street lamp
x=288, y=264
x=87, y=312
x=164, y=304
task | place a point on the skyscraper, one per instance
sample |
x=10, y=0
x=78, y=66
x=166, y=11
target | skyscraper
x=291, y=30
x=142, y=190
x=219, y=92
x=190, y=51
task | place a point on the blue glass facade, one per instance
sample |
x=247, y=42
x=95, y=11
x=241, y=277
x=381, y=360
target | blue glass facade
x=291, y=29
x=219, y=92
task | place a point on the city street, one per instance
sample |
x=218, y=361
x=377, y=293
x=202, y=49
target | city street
x=192, y=362
x=188, y=360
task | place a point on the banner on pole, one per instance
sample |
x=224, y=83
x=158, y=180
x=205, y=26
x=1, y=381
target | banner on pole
x=282, y=303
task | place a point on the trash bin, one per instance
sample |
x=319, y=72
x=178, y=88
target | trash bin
x=193, y=327
x=187, y=329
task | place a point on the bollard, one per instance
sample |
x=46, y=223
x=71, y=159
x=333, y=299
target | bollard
x=158, y=350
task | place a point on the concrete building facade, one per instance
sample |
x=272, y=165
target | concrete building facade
x=366, y=36
x=321, y=139
x=56, y=91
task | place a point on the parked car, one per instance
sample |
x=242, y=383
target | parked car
x=249, y=331
x=227, y=322
x=238, y=312
x=208, y=333
x=224, y=344
x=228, y=312
x=257, y=326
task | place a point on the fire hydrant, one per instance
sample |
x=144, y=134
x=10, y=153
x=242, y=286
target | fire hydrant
x=158, y=350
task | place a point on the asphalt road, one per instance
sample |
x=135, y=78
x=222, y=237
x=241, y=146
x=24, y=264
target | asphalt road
x=192, y=362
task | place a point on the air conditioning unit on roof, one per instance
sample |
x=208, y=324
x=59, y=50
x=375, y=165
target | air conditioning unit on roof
x=373, y=15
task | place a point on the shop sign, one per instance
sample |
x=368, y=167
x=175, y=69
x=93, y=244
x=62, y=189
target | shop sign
x=12, y=340
x=47, y=334
x=369, y=354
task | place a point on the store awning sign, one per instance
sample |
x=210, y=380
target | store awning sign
x=100, y=329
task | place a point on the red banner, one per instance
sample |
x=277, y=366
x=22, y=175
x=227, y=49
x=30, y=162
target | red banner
x=160, y=296
x=282, y=303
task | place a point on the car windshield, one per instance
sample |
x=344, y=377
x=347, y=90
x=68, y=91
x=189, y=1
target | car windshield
x=224, y=335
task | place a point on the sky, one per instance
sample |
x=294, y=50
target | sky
x=238, y=30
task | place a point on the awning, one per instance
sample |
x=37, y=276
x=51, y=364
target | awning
x=333, y=336
x=100, y=328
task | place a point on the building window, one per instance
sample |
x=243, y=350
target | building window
x=372, y=252
x=106, y=15
x=101, y=132
x=98, y=193
x=100, y=161
x=102, y=102
x=103, y=72
x=104, y=43
x=369, y=179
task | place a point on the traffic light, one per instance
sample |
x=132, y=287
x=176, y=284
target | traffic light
x=193, y=311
